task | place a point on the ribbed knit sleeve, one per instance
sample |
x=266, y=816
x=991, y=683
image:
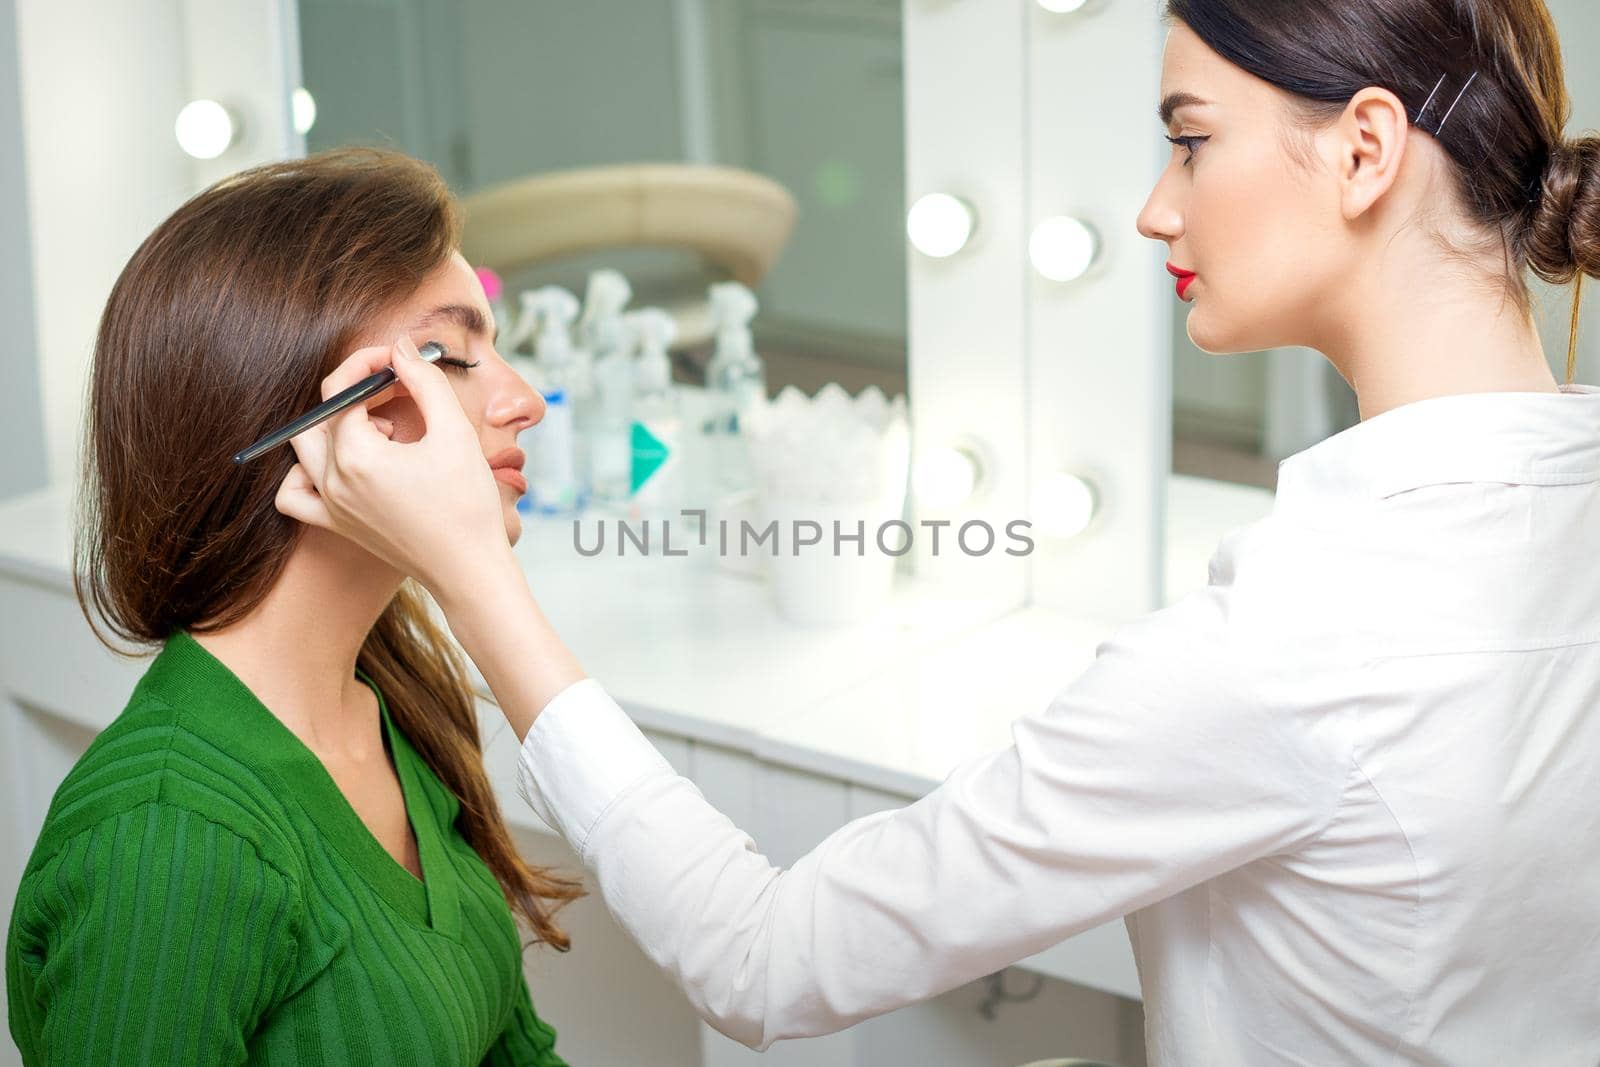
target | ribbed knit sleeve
x=527, y=1041
x=180, y=970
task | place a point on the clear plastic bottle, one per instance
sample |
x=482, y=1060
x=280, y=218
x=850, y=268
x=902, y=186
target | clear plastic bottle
x=554, y=485
x=658, y=413
x=736, y=380
x=609, y=430
x=603, y=424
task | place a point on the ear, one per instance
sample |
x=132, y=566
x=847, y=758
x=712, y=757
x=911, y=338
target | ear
x=1370, y=138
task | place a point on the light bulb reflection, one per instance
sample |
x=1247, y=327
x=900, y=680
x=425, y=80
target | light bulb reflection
x=1063, y=247
x=1062, y=504
x=940, y=225
x=945, y=478
x=304, y=106
x=204, y=129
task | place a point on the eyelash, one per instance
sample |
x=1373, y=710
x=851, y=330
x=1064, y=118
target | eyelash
x=460, y=364
x=1188, y=144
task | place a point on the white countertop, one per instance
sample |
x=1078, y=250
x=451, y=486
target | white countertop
x=692, y=649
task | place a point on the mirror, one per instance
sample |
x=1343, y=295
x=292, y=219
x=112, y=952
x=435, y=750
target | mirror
x=806, y=92
x=1235, y=417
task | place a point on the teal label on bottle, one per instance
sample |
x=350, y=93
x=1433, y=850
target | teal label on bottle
x=649, y=453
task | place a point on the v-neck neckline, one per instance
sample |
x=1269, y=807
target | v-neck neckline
x=215, y=701
x=408, y=802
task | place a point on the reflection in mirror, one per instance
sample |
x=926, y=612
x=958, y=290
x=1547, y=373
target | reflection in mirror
x=807, y=93
x=1236, y=416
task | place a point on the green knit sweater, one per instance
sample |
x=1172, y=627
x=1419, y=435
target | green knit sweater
x=202, y=892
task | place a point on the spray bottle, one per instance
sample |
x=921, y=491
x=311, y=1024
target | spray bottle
x=554, y=487
x=657, y=466
x=736, y=380
x=605, y=428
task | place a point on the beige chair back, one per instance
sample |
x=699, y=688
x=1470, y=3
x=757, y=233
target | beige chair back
x=736, y=220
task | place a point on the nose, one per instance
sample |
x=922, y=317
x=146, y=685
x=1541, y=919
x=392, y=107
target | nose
x=516, y=403
x=1161, y=219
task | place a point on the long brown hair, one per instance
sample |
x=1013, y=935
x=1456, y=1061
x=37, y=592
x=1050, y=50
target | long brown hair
x=219, y=329
x=1533, y=192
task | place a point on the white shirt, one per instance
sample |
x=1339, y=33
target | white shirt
x=1347, y=795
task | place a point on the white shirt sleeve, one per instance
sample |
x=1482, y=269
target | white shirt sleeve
x=1156, y=769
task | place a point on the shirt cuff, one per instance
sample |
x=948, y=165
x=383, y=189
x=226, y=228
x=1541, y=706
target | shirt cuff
x=580, y=755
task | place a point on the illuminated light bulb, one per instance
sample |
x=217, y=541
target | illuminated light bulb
x=205, y=129
x=304, y=106
x=1062, y=7
x=940, y=225
x=1063, y=504
x=1062, y=248
x=945, y=477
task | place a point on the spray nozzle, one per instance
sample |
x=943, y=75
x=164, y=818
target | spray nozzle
x=600, y=327
x=551, y=310
x=655, y=330
x=732, y=307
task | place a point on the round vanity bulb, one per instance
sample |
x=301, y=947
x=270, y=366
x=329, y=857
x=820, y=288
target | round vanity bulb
x=945, y=477
x=1062, y=7
x=1062, y=504
x=940, y=225
x=1063, y=247
x=205, y=129
x=304, y=106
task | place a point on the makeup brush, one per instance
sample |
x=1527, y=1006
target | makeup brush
x=372, y=383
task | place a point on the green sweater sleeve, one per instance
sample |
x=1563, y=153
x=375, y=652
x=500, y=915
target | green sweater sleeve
x=153, y=936
x=527, y=1040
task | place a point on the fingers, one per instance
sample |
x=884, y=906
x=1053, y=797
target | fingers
x=432, y=393
x=298, y=498
x=360, y=364
x=311, y=449
x=352, y=432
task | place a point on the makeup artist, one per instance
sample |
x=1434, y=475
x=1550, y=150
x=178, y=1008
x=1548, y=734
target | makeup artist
x=1345, y=794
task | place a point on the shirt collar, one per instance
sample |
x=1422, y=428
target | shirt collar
x=1518, y=437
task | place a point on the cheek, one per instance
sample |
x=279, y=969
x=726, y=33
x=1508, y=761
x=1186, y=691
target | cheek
x=1251, y=222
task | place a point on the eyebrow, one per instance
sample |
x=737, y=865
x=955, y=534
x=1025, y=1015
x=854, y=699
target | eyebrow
x=1173, y=101
x=466, y=316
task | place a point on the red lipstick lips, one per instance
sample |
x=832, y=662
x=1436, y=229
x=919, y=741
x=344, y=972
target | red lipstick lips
x=1184, y=278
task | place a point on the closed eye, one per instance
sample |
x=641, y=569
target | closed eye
x=1188, y=143
x=459, y=364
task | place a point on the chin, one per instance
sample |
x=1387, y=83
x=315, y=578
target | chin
x=1210, y=341
x=513, y=525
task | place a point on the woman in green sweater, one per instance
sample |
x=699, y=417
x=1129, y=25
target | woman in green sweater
x=285, y=849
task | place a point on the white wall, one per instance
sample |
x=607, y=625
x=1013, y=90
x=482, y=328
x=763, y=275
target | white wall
x=101, y=84
x=21, y=424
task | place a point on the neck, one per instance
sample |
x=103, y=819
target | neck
x=1396, y=341
x=297, y=649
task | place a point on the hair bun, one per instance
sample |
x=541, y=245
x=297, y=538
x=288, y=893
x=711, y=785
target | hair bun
x=1564, y=234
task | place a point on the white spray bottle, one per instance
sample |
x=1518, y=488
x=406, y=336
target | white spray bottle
x=657, y=417
x=603, y=425
x=554, y=486
x=524, y=325
x=736, y=381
